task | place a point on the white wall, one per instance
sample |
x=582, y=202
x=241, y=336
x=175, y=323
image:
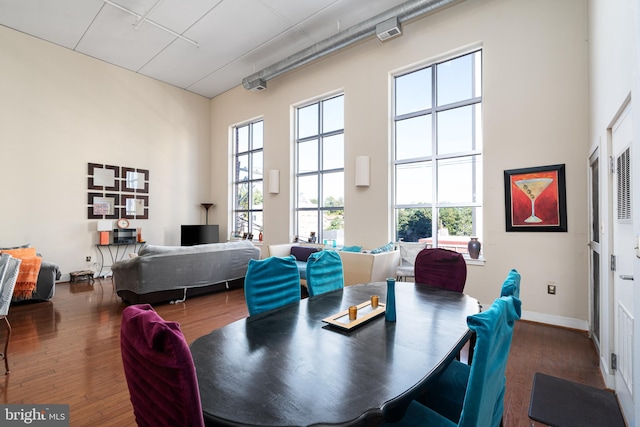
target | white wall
x=60, y=110
x=614, y=67
x=535, y=113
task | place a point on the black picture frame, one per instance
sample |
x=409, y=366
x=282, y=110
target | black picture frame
x=535, y=199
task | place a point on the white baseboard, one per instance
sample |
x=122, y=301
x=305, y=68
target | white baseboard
x=607, y=374
x=551, y=319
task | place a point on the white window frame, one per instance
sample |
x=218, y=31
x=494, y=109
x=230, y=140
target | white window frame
x=255, y=178
x=321, y=135
x=434, y=158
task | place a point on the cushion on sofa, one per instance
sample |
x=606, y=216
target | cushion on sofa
x=302, y=252
x=386, y=248
x=28, y=272
x=351, y=249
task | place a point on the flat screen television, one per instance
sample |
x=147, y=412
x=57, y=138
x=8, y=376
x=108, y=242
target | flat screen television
x=198, y=234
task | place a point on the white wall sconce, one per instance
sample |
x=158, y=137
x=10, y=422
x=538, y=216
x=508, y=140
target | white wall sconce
x=362, y=171
x=274, y=181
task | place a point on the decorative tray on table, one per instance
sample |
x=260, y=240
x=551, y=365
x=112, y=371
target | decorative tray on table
x=365, y=313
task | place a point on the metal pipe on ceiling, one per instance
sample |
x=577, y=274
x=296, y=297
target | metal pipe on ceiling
x=404, y=12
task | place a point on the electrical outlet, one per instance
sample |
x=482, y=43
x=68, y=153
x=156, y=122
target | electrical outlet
x=551, y=288
x=88, y=259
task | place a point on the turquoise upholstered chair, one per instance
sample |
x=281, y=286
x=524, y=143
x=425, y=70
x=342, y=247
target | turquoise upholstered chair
x=471, y=396
x=511, y=285
x=324, y=272
x=271, y=283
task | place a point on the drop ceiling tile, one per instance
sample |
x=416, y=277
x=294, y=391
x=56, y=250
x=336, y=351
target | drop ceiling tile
x=281, y=47
x=112, y=38
x=226, y=33
x=178, y=15
x=59, y=21
x=219, y=81
x=297, y=11
x=284, y=45
x=236, y=38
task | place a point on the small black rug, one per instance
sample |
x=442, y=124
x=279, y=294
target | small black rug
x=561, y=403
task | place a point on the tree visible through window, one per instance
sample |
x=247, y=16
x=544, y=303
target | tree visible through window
x=319, y=151
x=248, y=179
x=438, y=152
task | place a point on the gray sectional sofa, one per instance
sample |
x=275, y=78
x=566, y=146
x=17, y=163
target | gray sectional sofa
x=166, y=273
x=46, y=284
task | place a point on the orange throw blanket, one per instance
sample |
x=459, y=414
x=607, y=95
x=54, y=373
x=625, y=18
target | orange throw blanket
x=28, y=274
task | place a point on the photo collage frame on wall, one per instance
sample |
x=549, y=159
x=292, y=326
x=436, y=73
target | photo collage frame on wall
x=117, y=192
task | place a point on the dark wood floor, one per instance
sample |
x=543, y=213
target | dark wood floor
x=67, y=351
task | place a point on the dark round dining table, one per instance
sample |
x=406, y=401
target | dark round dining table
x=288, y=367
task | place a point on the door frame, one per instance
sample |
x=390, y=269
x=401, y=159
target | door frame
x=595, y=156
x=602, y=146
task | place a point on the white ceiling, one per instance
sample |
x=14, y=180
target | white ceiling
x=235, y=38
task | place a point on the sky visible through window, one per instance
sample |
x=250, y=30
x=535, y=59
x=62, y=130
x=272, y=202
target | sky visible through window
x=320, y=170
x=438, y=135
x=456, y=129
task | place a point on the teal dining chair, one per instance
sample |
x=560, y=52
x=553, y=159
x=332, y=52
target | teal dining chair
x=511, y=285
x=471, y=396
x=271, y=283
x=324, y=272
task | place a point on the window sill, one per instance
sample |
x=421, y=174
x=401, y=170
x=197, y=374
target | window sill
x=255, y=242
x=480, y=261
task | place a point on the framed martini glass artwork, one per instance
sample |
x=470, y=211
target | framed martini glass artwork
x=535, y=199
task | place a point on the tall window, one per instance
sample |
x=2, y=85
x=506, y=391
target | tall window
x=319, y=203
x=438, y=153
x=248, y=182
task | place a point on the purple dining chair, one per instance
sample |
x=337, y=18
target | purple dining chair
x=442, y=268
x=159, y=370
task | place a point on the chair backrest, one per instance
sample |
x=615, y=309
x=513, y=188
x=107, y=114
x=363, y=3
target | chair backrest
x=442, y=268
x=9, y=269
x=409, y=252
x=271, y=283
x=324, y=272
x=484, y=398
x=159, y=370
x=511, y=285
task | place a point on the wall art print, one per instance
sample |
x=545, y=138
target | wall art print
x=535, y=199
x=117, y=192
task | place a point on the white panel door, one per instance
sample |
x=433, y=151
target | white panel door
x=624, y=252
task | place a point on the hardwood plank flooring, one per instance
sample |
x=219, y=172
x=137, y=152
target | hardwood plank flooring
x=560, y=352
x=68, y=351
